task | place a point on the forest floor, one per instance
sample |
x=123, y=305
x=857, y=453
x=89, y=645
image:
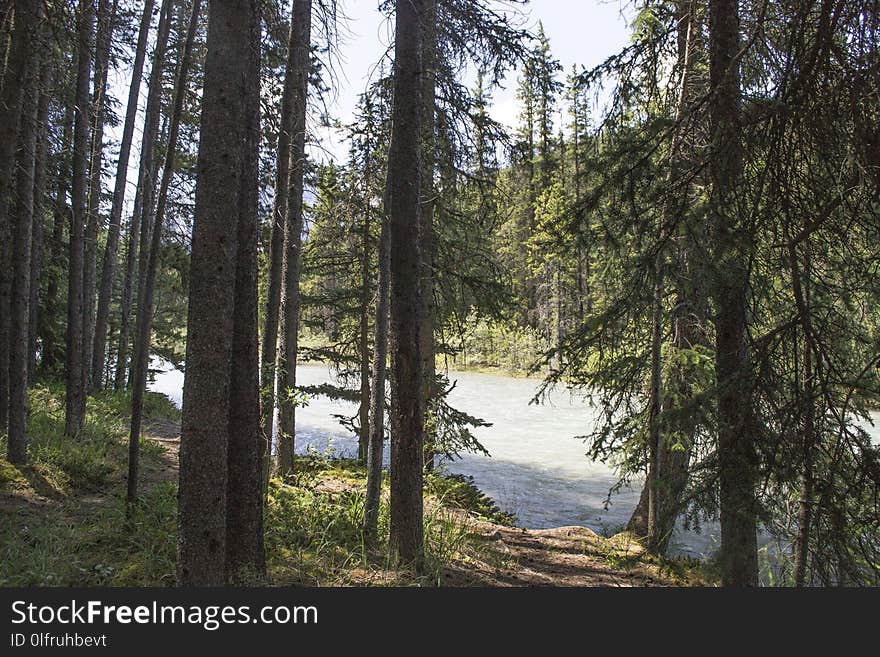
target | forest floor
x=64, y=523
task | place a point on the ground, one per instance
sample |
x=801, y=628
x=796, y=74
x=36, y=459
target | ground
x=64, y=525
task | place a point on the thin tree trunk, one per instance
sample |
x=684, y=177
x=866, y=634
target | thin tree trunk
x=245, y=557
x=739, y=563
x=377, y=400
x=75, y=407
x=269, y=355
x=145, y=298
x=5, y=38
x=49, y=355
x=364, y=337
x=302, y=21
x=10, y=112
x=426, y=223
x=805, y=511
x=654, y=407
x=21, y=272
x=106, y=16
x=39, y=206
x=108, y=266
x=654, y=516
x=222, y=165
x=143, y=199
x=403, y=185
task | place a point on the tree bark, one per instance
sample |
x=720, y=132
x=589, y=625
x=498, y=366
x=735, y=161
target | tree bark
x=106, y=17
x=377, y=400
x=75, y=405
x=403, y=191
x=300, y=47
x=145, y=298
x=10, y=113
x=653, y=535
x=21, y=274
x=364, y=328
x=247, y=444
x=143, y=199
x=269, y=355
x=49, y=355
x=426, y=224
x=225, y=151
x=805, y=507
x=739, y=562
x=654, y=516
x=108, y=266
x=39, y=206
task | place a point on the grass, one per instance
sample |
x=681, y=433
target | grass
x=63, y=520
x=65, y=523
x=314, y=535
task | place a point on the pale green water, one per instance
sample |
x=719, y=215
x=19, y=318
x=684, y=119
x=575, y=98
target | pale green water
x=537, y=470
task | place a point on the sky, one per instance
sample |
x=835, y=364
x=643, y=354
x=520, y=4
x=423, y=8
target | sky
x=582, y=32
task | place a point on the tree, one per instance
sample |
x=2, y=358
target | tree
x=426, y=215
x=75, y=405
x=27, y=19
x=108, y=267
x=106, y=18
x=269, y=352
x=300, y=47
x=402, y=205
x=245, y=557
x=145, y=296
x=736, y=429
x=41, y=156
x=218, y=275
x=10, y=112
x=143, y=199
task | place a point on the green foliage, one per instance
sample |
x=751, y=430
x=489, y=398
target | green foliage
x=460, y=492
x=78, y=545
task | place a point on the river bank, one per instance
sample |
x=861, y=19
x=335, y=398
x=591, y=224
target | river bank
x=63, y=521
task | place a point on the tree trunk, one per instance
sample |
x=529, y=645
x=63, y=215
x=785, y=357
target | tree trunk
x=10, y=112
x=299, y=44
x=364, y=337
x=269, y=355
x=39, y=206
x=108, y=266
x=805, y=510
x=377, y=400
x=75, y=407
x=653, y=535
x=668, y=466
x=145, y=298
x=403, y=187
x=244, y=501
x=21, y=265
x=739, y=563
x=426, y=223
x=143, y=199
x=49, y=355
x=106, y=16
x=222, y=186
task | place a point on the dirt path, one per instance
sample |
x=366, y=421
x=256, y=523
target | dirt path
x=562, y=556
x=492, y=555
x=504, y=556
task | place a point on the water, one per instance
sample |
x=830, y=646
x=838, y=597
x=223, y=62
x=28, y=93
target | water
x=537, y=469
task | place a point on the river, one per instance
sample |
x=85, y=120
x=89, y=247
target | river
x=537, y=470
